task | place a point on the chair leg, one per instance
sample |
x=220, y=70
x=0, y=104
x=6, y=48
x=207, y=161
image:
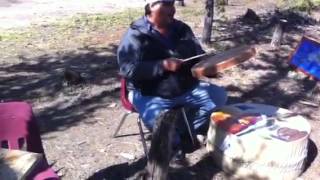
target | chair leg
x=187, y=124
x=124, y=117
x=143, y=140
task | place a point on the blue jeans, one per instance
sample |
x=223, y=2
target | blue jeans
x=201, y=101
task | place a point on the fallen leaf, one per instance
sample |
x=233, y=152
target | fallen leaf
x=127, y=156
x=112, y=105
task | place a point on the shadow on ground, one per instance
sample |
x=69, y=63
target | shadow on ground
x=204, y=169
x=270, y=66
x=244, y=30
x=40, y=80
x=273, y=85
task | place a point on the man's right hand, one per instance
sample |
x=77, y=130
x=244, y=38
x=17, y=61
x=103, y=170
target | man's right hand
x=172, y=64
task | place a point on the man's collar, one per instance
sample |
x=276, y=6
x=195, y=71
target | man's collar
x=148, y=23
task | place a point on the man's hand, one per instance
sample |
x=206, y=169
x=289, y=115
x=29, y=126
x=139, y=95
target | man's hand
x=171, y=64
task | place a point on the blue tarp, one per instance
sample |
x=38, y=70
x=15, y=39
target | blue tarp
x=307, y=57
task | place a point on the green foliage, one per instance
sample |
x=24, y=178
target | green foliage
x=102, y=20
x=13, y=35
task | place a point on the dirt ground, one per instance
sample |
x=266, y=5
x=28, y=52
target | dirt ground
x=77, y=121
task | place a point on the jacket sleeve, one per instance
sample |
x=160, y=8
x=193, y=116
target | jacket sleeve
x=131, y=64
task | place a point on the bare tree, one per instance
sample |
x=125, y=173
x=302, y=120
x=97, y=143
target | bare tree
x=208, y=21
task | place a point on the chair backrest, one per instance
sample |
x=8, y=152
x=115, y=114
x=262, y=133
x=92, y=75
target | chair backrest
x=18, y=127
x=124, y=96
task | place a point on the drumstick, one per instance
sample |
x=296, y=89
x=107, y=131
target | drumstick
x=197, y=56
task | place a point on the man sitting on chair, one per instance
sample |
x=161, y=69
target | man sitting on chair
x=150, y=56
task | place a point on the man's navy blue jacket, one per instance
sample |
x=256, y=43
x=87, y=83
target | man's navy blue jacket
x=140, y=56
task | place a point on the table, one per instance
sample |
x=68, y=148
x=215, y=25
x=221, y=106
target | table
x=16, y=164
x=262, y=153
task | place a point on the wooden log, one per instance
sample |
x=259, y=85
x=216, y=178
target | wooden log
x=210, y=66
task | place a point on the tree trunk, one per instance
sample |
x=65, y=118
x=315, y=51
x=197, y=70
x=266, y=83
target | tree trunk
x=208, y=21
x=278, y=33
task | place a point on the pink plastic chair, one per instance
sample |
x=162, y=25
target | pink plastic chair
x=19, y=130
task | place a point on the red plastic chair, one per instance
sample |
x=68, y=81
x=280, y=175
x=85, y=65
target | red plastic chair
x=20, y=131
x=127, y=105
